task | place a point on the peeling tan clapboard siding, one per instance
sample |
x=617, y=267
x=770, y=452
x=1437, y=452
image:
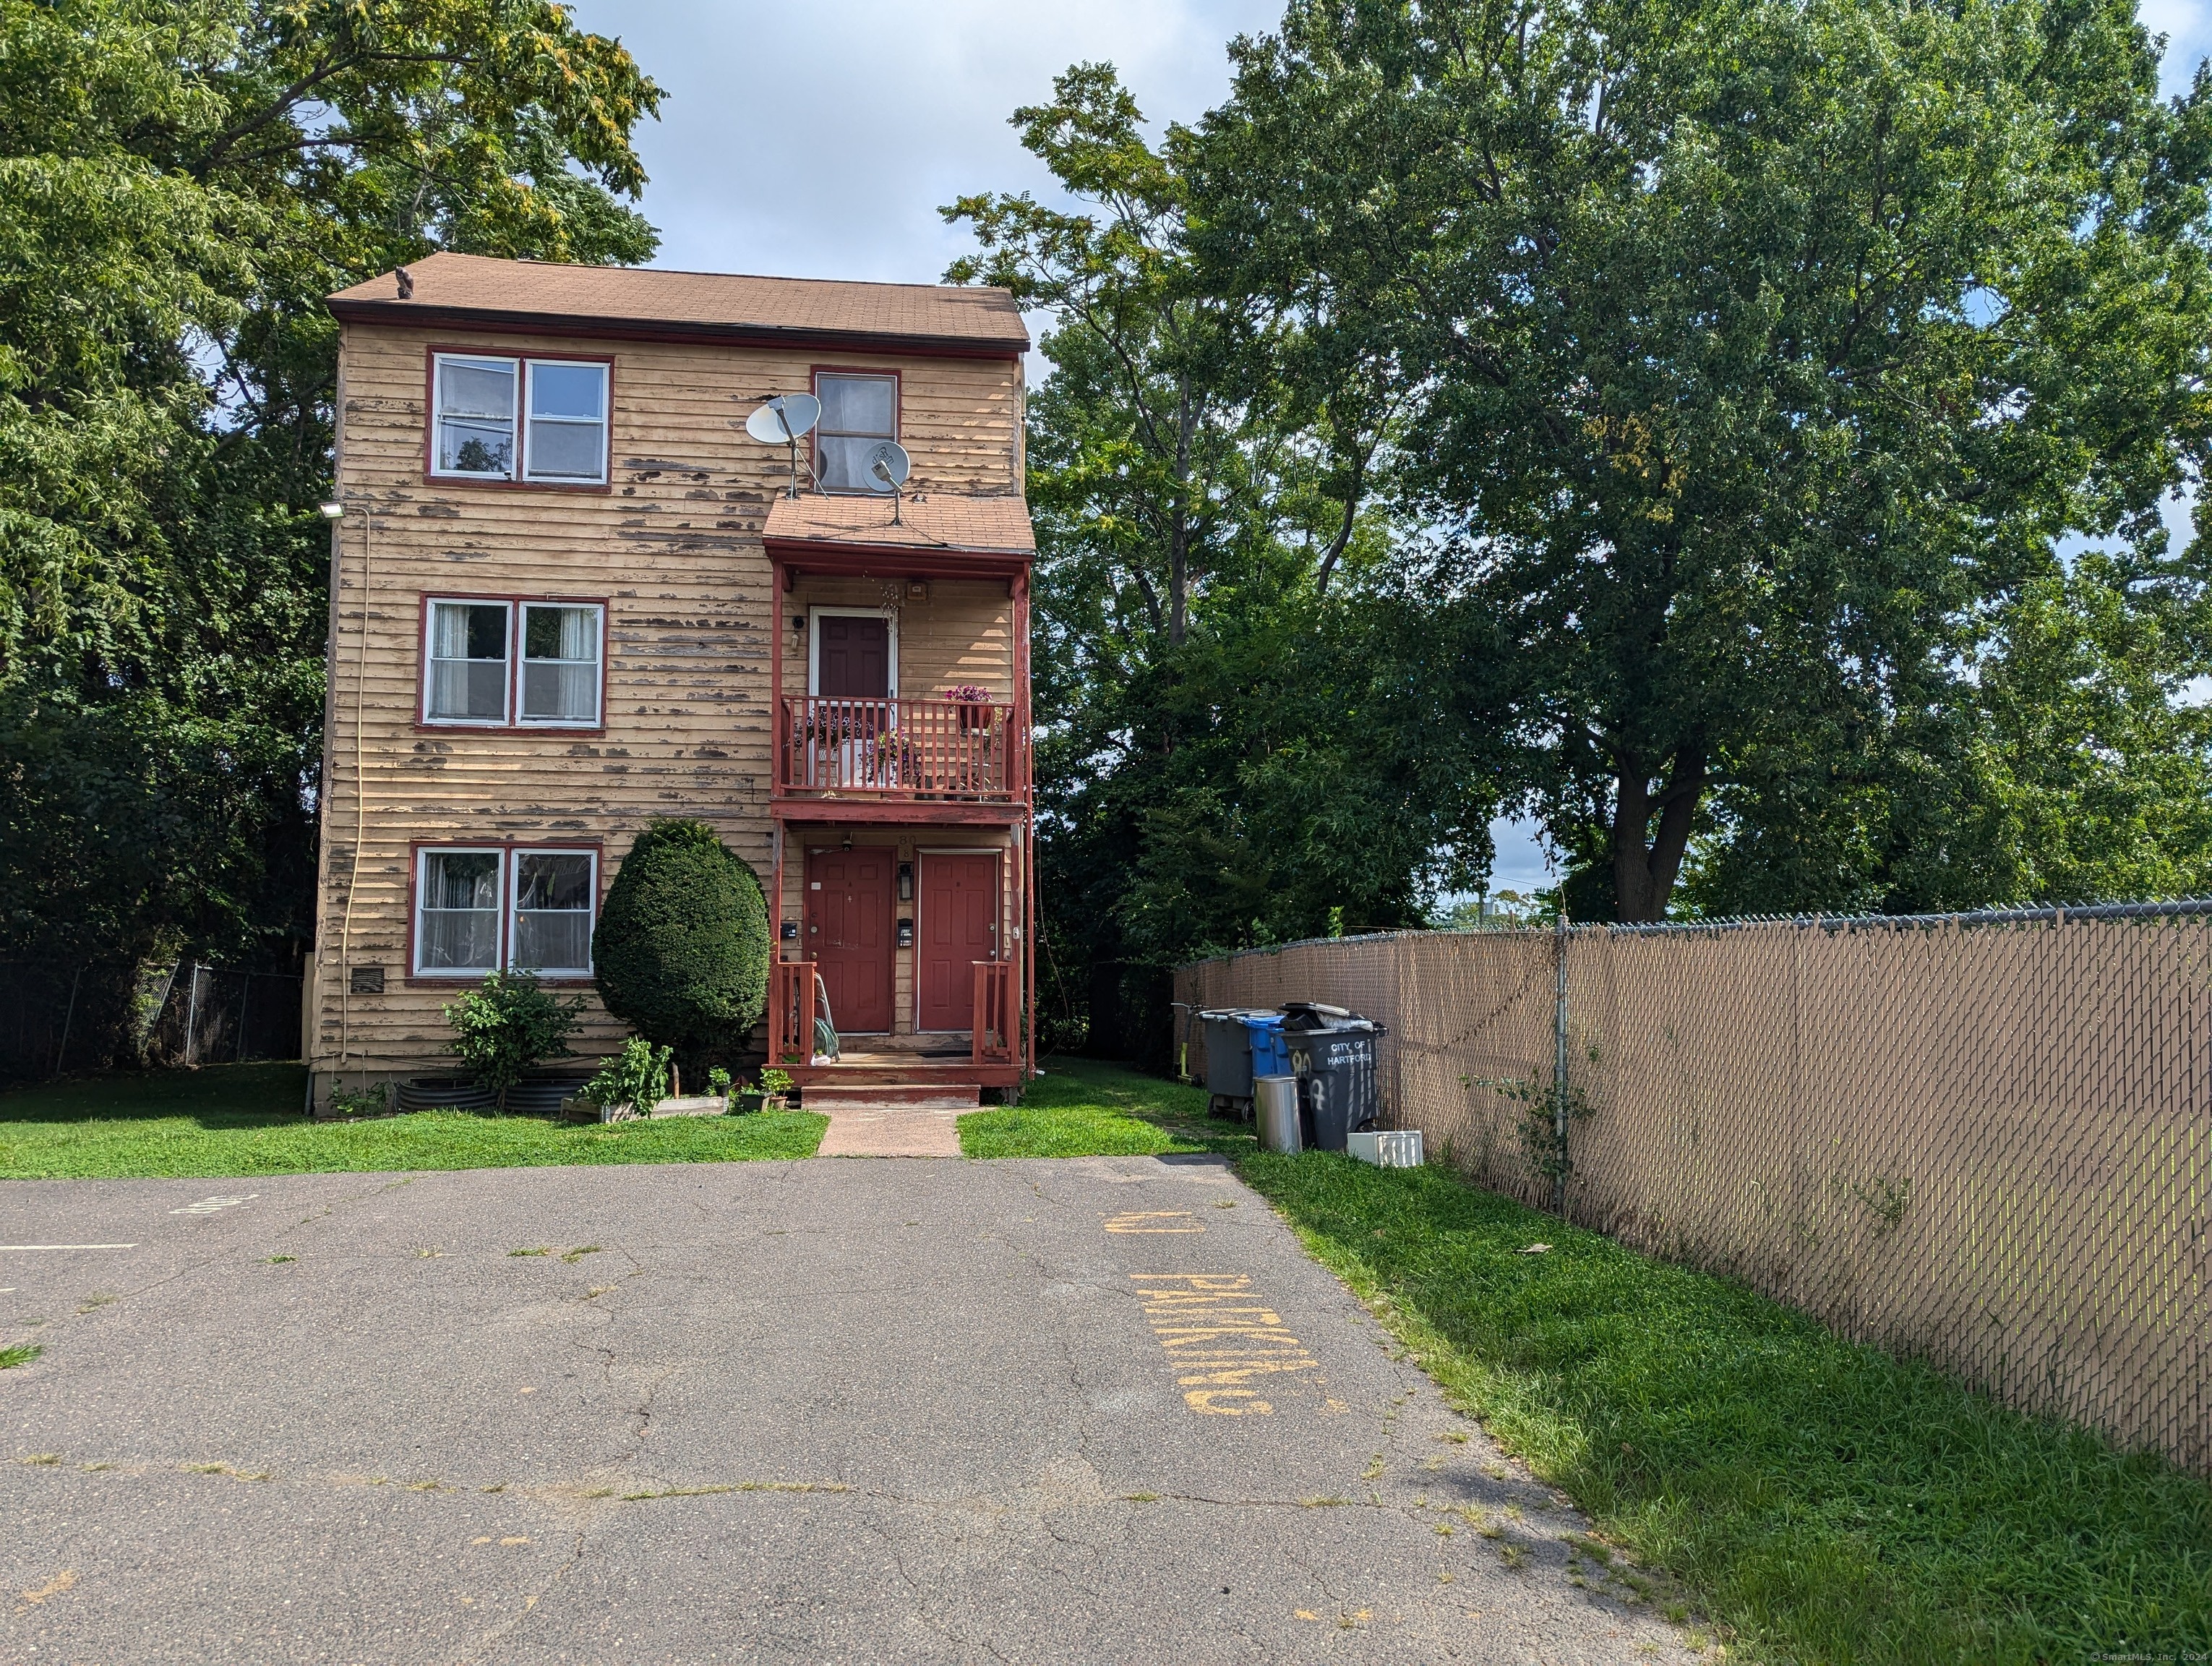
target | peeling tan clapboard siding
x=674, y=548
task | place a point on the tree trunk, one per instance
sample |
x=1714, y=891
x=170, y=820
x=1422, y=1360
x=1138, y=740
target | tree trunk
x=1179, y=531
x=1645, y=864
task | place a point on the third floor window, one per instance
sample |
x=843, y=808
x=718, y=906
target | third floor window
x=539, y=421
x=859, y=413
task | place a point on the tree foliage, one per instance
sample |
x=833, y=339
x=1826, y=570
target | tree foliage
x=180, y=186
x=506, y=1024
x=682, y=947
x=1237, y=746
x=1759, y=356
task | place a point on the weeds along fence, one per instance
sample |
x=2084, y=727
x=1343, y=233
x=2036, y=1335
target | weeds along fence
x=1981, y=1140
x=57, y=1019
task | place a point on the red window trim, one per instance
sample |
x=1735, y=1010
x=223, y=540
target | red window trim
x=505, y=848
x=513, y=723
x=477, y=482
x=815, y=372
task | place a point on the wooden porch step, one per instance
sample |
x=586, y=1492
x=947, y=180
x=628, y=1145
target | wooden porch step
x=820, y=1095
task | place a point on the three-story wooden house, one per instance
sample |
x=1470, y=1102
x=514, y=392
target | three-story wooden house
x=570, y=594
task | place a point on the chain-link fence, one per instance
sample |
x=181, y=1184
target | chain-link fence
x=1982, y=1140
x=55, y=1019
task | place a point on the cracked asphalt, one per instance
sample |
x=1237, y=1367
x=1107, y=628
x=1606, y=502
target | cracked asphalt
x=1101, y=1409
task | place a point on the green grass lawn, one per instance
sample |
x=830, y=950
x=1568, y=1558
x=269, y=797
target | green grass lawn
x=1821, y=1502
x=247, y=1119
x=1080, y=1108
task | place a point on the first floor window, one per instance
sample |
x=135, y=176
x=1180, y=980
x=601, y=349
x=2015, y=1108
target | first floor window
x=457, y=894
x=553, y=893
x=468, y=662
x=479, y=910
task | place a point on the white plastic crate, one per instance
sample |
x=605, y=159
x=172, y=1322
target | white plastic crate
x=1387, y=1148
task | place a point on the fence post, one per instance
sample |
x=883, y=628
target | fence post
x=192, y=1013
x=1559, y=1067
x=61, y=1053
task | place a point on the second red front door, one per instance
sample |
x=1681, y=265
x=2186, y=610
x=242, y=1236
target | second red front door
x=849, y=932
x=958, y=925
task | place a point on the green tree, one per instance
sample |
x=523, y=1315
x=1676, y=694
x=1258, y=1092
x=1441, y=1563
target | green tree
x=1761, y=354
x=682, y=947
x=1237, y=746
x=180, y=186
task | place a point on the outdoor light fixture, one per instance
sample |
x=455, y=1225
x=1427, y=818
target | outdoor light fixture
x=847, y=845
x=333, y=511
x=906, y=884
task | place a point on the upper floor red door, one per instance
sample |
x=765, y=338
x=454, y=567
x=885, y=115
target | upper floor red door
x=853, y=658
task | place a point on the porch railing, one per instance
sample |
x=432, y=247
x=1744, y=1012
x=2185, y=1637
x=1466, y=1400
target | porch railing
x=992, y=1039
x=911, y=749
x=790, y=1012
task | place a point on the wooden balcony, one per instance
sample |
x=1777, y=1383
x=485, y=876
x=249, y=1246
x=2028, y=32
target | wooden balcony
x=883, y=749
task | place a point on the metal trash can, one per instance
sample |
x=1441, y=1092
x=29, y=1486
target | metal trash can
x=1275, y=1099
x=1332, y=1054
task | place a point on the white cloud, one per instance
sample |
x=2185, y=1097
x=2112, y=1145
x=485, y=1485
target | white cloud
x=817, y=140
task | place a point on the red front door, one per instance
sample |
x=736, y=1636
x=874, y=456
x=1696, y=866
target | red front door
x=958, y=920
x=849, y=932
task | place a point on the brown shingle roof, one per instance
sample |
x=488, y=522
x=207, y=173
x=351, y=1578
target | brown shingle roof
x=983, y=526
x=630, y=301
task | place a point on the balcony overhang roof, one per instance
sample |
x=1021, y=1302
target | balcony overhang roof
x=936, y=535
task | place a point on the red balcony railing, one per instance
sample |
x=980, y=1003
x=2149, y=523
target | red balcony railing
x=914, y=749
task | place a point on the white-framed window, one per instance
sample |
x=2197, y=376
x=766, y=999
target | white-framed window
x=859, y=413
x=474, y=401
x=559, y=406
x=457, y=911
x=554, y=892
x=480, y=907
x=561, y=661
x=465, y=649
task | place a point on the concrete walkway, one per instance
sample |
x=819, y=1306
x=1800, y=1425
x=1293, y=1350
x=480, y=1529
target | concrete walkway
x=894, y=1130
x=1099, y=1410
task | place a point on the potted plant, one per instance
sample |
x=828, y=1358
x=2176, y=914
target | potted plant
x=975, y=703
x=718, y=1083
x=775, y=1089
x=630, y=1085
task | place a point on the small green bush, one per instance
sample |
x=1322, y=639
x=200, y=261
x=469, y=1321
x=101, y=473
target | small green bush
x=636, y=1077
x=508, y=1023
x=682, y=945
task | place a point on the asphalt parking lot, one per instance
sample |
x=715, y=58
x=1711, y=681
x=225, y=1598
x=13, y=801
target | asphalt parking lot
x=1101, y=1409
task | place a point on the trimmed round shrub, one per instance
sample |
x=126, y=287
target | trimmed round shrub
x=682, y=944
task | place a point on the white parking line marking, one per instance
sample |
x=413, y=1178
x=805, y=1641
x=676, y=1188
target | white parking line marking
x=208, y=1205
x=5, y=1247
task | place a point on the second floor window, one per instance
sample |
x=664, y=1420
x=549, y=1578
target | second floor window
x=859, y=413
x=470, y=663
x=560, y=405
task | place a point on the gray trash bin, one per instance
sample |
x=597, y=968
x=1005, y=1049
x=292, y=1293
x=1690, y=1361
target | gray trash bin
x=1333, y=1053
x=1275, y=1099
x=1230, y=1035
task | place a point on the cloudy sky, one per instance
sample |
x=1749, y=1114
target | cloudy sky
x=817, y=140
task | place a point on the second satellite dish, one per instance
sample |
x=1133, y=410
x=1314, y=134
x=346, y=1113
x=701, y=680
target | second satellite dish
x=887, y=467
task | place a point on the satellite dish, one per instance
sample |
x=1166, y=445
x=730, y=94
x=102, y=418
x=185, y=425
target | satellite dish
x=783, y=418
x=887, y=467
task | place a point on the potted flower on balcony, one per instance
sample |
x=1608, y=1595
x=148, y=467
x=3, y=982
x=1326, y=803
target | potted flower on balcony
x=974, y=703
